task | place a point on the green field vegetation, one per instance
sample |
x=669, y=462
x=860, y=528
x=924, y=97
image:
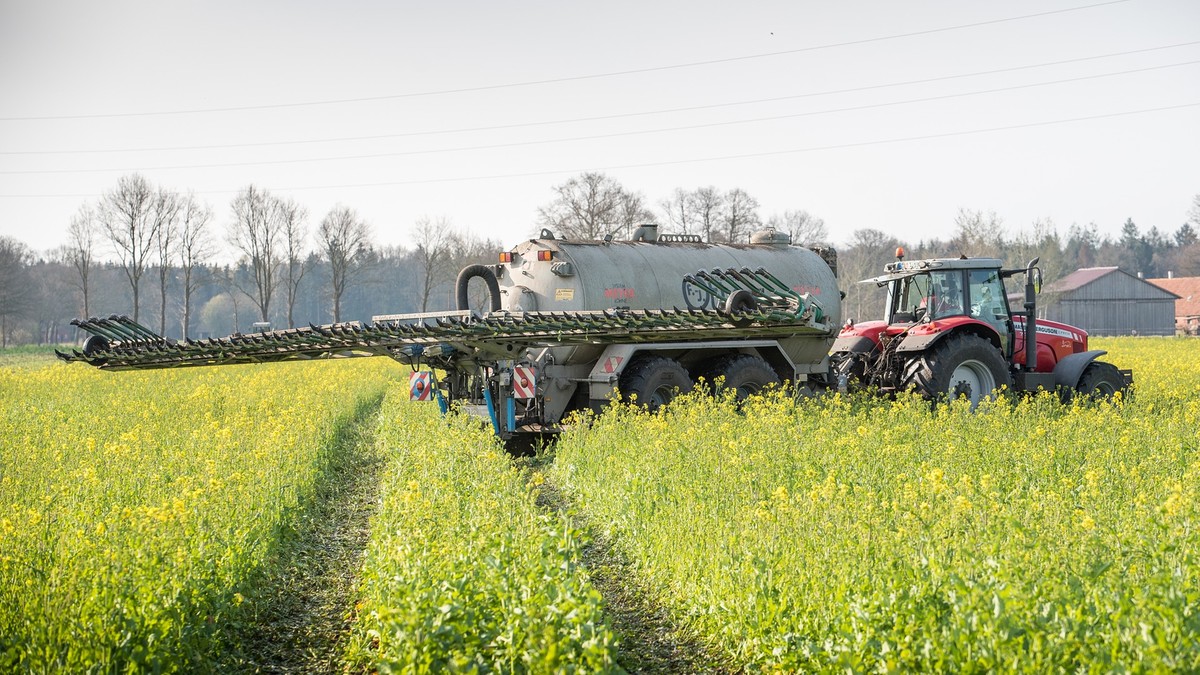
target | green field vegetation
x=141, y=515
x=867, y=535
x=137, y=510
x=28, y=356
x=464, y=572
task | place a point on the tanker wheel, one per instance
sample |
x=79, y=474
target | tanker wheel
x=747, y=374
x=960, y=365
x=1101, y=381
x=654, y=380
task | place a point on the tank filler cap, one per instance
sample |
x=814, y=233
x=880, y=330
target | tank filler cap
x=771, y=236
x=647, y=232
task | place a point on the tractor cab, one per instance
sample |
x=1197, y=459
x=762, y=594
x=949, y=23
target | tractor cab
x=948, y=289
x=948, y=330
x=927, y=297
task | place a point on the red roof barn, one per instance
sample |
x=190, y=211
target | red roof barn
x=1187, y=307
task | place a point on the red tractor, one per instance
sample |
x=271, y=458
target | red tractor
x=948, y=331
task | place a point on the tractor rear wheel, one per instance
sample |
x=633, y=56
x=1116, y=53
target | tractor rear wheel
x=1100, y=380
x=653, y=381
x=960, y=365
x=747, y=374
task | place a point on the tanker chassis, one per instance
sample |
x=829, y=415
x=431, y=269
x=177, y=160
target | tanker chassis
x=569, y=324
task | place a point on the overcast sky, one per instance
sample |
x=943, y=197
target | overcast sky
x=866, y=113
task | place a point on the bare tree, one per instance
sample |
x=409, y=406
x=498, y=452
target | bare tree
x=195, y=248
x=632, y=212
x=706, y=205
x=229, y=283
x=586, y=207
x=868, y=252
x=126, y=214
x=1194, y=212
x=345, y=239
x=80, y=252
x=435, y=247
x=679, y=211
x=16, y=284
x=467, y=249
x=739, y=216
x=165, y=213
x=801, y=226
x=978, y=234
x=256, y=231
x=296, y=264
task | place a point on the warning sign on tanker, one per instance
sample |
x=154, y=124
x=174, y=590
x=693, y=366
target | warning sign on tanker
x=564, y=294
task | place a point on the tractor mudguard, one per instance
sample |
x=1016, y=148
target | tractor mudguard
x=852, y=343
x=919, y=343
x=1070, y=368
x=923, y=337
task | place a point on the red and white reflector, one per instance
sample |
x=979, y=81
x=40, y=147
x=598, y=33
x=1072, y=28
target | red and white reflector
x=545, y=255
x=420, y=386
x=524, y=383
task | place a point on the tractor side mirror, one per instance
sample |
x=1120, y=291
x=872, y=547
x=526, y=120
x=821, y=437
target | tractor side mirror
x=1037, y=280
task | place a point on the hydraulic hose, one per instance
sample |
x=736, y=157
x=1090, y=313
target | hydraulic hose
x=489, y=277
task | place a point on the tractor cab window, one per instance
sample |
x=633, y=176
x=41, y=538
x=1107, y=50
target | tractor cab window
x=906, y=295
x=945, y=296
x=931, y=295
x=988, y=301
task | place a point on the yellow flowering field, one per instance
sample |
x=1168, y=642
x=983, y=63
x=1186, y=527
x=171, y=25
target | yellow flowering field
x=136, y=508
x=464, y=572
x=854, y=534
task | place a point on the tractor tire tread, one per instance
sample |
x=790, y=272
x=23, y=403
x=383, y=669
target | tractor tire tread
x=1099, y=374
x=734, y=367
x=929, y=372
x=639, y=377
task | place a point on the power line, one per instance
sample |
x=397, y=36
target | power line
x=575, y=78
x=639, y=132
x=597, y=118
x=694, y=160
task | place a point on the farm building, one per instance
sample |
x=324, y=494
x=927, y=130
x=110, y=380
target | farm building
x=1187, y=307
x=1108, y=301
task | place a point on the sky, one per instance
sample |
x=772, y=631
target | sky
x=865, y=113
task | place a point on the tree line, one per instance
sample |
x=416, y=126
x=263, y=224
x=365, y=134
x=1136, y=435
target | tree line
x=147, y=252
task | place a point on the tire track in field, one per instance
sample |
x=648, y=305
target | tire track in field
x=650, y=641
x=303, y=615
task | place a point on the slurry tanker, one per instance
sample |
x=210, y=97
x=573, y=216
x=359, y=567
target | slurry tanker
x=570, y=324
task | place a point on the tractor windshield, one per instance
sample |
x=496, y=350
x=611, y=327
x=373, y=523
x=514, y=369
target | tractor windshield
x=930, y=295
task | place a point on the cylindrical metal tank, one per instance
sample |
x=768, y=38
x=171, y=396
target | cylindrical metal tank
x=649, y=275
x=560, y=275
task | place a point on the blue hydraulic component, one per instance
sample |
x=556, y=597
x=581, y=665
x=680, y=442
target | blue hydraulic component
x=441, y=400
x=510, y=410
x=411, y=351
x=491, y=406
x=440, y=349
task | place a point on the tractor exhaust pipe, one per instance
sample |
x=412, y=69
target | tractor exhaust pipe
x=1030, y=318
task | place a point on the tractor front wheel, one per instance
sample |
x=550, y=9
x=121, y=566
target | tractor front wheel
x=653, y=381
x=1101, y=380
x=960, y=365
